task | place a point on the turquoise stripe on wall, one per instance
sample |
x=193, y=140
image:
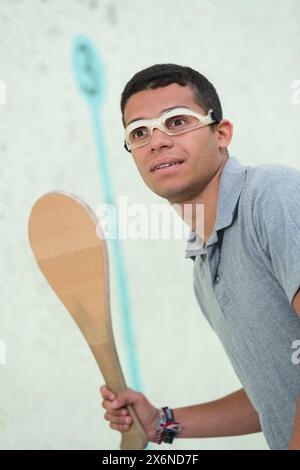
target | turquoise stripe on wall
x=90, y=77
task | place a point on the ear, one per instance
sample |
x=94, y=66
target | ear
x=224, y=133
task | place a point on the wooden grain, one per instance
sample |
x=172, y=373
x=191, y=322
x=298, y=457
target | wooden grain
x=74, y=260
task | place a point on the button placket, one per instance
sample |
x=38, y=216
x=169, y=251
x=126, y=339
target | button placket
x=216, y=275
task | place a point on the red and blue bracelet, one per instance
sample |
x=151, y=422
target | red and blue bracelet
x=167, y=429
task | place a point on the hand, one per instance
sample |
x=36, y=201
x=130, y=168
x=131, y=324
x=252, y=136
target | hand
x=118, y=416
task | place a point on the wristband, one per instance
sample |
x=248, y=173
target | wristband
x=167, y=429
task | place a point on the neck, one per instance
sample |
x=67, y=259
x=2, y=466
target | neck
x=208, y=199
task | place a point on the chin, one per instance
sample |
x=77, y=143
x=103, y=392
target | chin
x=172, y=196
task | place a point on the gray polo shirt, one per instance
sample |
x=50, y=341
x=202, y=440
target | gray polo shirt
x=245, y=279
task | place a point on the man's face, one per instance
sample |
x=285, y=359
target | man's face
x=196, y=152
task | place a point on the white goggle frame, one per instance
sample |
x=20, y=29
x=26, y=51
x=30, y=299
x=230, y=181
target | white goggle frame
x=159, y=123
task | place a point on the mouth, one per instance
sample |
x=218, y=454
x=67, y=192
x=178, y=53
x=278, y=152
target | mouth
x=167, y=167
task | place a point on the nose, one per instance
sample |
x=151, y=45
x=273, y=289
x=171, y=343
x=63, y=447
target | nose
x=160, y=139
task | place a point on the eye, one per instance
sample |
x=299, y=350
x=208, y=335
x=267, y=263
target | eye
x=175, y=122
x=181, y=123
x=138, y=134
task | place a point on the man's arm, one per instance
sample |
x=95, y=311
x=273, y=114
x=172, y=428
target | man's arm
x=276, y=217
x=228, y=416
x=232, y=415
x=295, y=439
x=296, y=302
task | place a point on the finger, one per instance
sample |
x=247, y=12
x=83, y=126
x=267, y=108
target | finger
x=106, y=393
x=127, y=397
x=119, y=412
x=119, y=427
x=117, y=420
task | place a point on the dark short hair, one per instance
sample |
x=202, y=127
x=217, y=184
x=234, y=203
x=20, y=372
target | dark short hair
x=161, y=75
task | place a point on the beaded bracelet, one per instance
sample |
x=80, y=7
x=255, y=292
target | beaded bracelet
x=166, y=429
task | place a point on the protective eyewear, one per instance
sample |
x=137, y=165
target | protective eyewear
x=173, y=122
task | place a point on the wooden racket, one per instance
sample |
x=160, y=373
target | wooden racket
x=74, y=259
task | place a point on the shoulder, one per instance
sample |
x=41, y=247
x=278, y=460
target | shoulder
x=270, y=184
x=271, y=202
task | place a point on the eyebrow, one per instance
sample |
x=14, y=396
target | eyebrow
x=162, y=112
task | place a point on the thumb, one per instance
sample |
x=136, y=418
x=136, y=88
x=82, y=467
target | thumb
x=126, y=397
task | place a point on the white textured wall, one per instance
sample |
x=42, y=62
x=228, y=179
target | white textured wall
x=250, y=50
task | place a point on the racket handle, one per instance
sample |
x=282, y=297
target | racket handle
x=135, y=438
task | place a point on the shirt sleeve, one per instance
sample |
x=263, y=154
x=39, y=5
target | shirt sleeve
x=276, y=215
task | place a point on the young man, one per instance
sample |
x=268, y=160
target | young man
x=246, y=265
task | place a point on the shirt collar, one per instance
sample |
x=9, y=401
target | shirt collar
x=231, y=184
